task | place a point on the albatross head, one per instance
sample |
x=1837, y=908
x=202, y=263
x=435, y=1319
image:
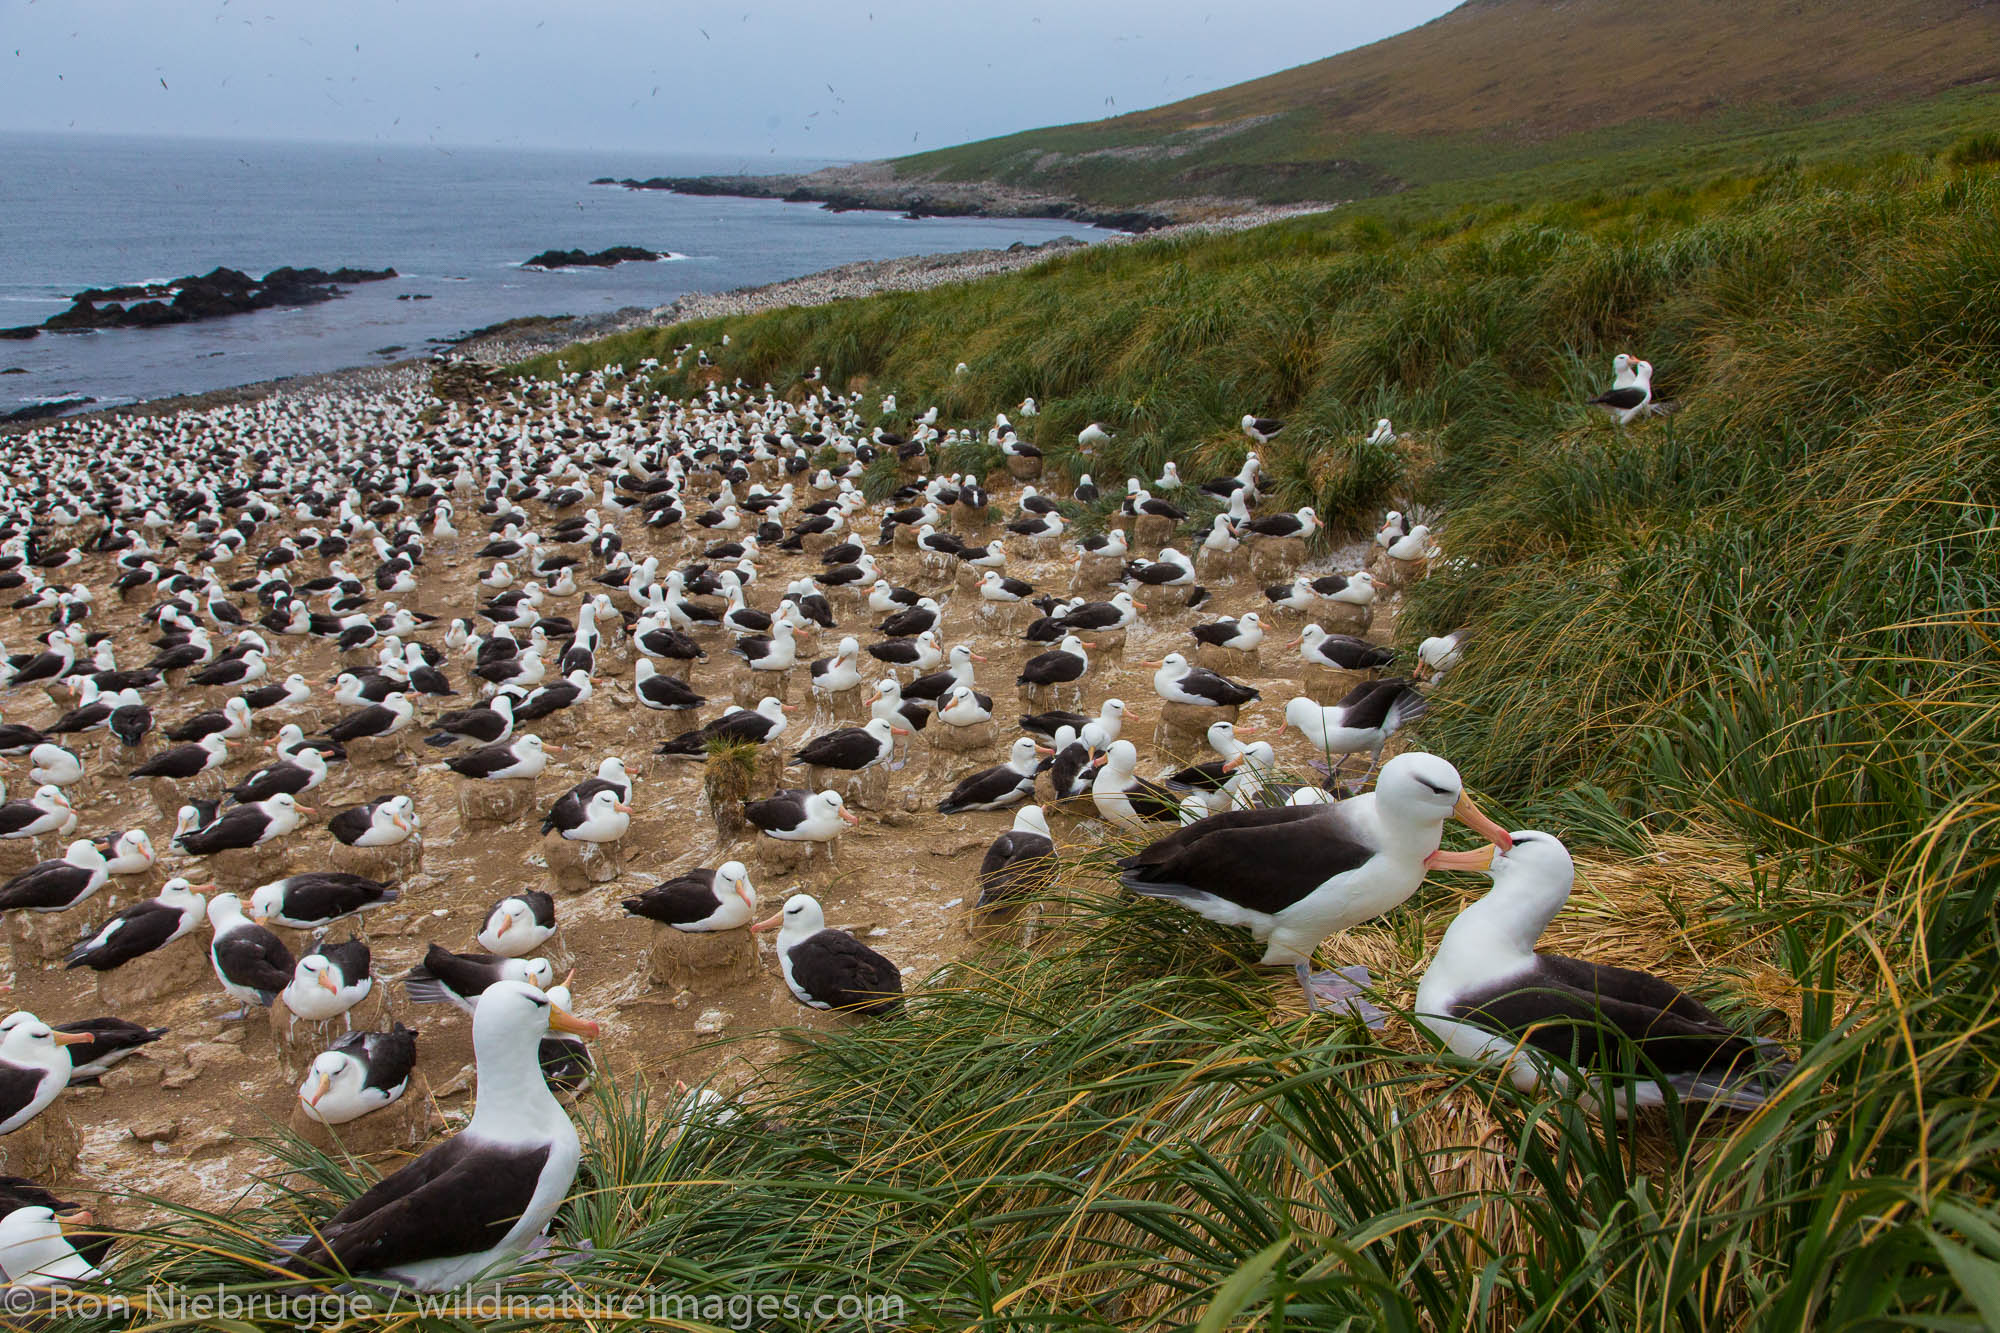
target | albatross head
x=330, y=1068
x=515, y=1011
x=27, y=1040
x=1531, y=881
x=1422, y=788
x=800, y=917
x=35, y=1253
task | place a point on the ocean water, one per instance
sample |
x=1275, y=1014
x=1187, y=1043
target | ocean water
x=81, y=211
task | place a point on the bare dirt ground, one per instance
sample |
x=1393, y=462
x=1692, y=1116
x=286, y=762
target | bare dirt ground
x=903, y=880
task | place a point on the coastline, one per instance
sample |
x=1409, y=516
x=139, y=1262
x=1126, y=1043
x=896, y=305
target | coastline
x=532, y=335
x=852, y=190
x=876, y=188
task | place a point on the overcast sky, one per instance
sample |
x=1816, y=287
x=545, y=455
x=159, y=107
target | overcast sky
x=811, y=78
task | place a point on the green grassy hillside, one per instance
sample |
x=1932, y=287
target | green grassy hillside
x=1501, y=85
x=1742, y=659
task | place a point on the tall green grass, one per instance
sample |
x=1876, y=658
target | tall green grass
x=1742, y=657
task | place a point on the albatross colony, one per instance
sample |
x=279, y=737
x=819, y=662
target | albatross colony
x=325, y=706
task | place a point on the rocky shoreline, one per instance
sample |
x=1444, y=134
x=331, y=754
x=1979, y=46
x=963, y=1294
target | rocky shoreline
x=873, y=187
x=533, y=335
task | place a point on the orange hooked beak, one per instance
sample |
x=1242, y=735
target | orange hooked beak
x=852, y=818
x=562, y=1020
x=1473, y=818
x=768, y=923
x=621, y=807
x=789, y=708
x=72, y=1038
x=1480, y=858
x=326, y=984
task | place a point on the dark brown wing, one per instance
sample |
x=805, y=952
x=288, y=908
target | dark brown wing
x=1265, y=860
x=1203, y=777
x=1150, y=800
x=238, y=828
x=1013, y=864
x=1628, y=984
x=848, y=747
x=362, y=722
x=847, y=974
x=256, y=959
x=459, y=1198
x=678, y=902
x=17, y=1088
x=1587, y=1015
x=142, y=928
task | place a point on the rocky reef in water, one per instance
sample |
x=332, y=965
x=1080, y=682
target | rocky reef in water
x=212, y=295
x=617, y=254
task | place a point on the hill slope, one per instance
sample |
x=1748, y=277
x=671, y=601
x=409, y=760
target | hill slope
x=1498, y=84
x=1541, y=67
x=1480, y=105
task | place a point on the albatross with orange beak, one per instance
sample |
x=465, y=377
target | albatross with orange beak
x=1297, y=874
x=329, y=981
x=359, y=1073
x=34, y=1067
x=1489, y=995
x=475, y=1202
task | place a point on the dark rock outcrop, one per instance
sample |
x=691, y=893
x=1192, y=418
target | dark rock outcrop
x=465, y=381
x=212, y=295
x=913, y=199
x=617, y=254
x=54, y=407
